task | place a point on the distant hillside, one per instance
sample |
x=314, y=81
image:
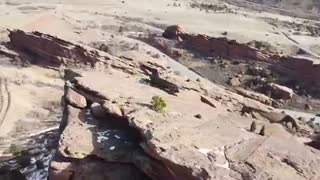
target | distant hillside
x=300, y=8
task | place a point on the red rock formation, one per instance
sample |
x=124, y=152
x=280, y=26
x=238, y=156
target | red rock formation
x=210, y=46
x=222, y=47
x=46, y=48
x=173, y=32
x=301, y=69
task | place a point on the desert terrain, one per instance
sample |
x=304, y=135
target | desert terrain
x=237, y=83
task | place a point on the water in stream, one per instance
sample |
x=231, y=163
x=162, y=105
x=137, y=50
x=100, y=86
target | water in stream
x=33, y=163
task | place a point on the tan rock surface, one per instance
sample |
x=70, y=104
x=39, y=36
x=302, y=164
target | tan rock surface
x=281, y=92
x=75, y=99
x=118, y=131
x=188, y=147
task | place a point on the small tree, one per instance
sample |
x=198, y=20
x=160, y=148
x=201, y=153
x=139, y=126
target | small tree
x=158, y=104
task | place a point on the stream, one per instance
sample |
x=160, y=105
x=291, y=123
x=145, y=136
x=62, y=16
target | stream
x=33, y=163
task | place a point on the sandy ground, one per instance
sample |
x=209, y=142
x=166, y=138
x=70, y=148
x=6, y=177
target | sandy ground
x=32, y=103
x=69, y=18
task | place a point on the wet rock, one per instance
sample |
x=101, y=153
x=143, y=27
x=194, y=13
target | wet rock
x=32, y=163
x=12, y=175
x=281, y=92
x=75, y=99
x=39, y=164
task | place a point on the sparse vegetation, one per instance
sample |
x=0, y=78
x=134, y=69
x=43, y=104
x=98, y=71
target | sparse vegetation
x=211, y=7
x=261, y=45
x=158, y=104
x=15, y=149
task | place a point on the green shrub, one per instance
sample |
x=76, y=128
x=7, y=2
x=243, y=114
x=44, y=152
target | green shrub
x=158, y=104
x=15, y=149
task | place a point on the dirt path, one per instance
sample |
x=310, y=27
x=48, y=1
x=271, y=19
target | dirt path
x=4, y=99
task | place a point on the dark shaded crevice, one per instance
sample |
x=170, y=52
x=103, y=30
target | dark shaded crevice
x=33, y=162
x=293, y=165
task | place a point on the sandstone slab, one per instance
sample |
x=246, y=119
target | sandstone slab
x=281, y=92
x=75, y=99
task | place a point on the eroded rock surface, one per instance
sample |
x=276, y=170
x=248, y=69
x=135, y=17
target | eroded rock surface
x=281, y=92
x=51, y=50
x=192, y=148
x=292, y=70
x=110, y=128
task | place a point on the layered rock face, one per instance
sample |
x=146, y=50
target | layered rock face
x=113, y=127
x=213, y=47
x=302, y=70
x=50, y=50
x=118, y=135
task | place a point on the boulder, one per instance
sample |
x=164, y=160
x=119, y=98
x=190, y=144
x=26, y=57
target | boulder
x=281, y=92
x=75, y=99
x=234, y=82
x=173, y=32
x=307, y=107
x=97, y=110
x=60, y=171
x=112, y=108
